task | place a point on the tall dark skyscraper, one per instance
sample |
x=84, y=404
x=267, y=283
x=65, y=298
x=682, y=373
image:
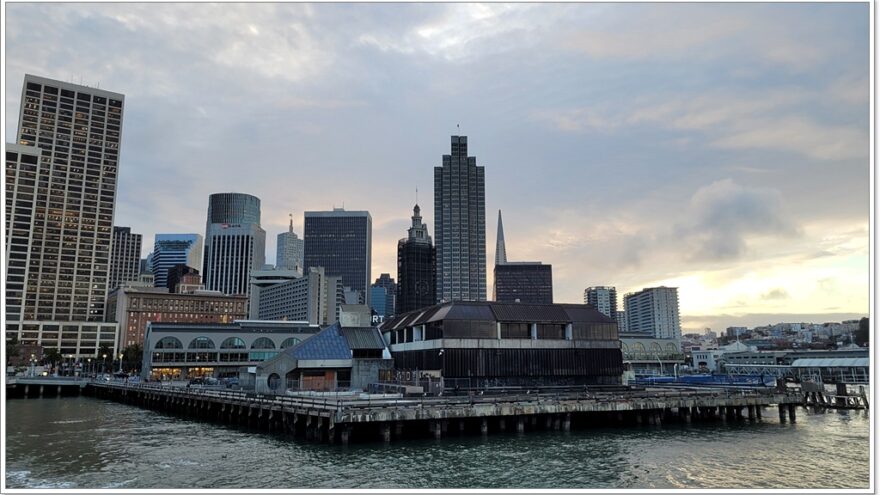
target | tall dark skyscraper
x=125, y=257
x=416, y=267
x=61, y=179
x=235, y=244
x=460, y=225
x=341, y=242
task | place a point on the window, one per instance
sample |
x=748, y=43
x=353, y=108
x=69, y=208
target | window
x=169, y=343
x=233, y=343
x=201, y=343
x=290, y=342
x=263, y=343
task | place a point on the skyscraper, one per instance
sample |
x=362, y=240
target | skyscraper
x=416, y=267
x=383, y=296
x=125, y=256
x=604, y=299
x=235, y=243
x=341, y=242
x=61, y=192
x=653, y=312
x=519, y=281
x=170, y=250
x=290, y=251
x=460, y=226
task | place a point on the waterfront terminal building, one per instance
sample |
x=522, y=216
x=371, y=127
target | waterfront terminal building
x=188, y=350
x=480, y=343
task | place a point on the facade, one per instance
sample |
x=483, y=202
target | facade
x=176, y=275
x=64, y=171
x=603, y=299
x=314, y=298
x=136, y=307
x=622, y=322
x=338, y=358
x=189, y=350
x=261, y=279
x=647, y=356
x=235, y=244
x=289, y=252
x=125, y=256
x=524, y=281
x=170, y=250
x=383, y=298
x=416, y=267
x=460, y=226
x=653, y=312
x=341, y=241
x=480, y=343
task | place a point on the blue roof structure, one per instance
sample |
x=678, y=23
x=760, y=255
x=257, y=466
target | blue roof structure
x=329, y=343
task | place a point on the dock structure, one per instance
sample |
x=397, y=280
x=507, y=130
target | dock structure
x=343, y=419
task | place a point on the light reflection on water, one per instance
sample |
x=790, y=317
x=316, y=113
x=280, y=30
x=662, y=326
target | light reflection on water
x=89, y=443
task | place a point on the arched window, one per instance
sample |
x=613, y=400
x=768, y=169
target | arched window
x=233, y=343
x=290, y=342
x=169, y=343
x=263, y=343
x=201, y=343
x=624, y=347
x=655, y=348
x=671, y=349
x=639, y=347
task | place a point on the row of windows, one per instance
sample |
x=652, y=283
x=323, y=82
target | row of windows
x=229, y=343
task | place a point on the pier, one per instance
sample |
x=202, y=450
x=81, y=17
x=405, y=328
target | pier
x=347, y=418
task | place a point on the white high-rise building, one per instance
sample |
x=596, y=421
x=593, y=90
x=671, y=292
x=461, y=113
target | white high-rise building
x=290, y=251
x=61, y=181
x=235, y=244
x=170, y=250
x=654, y=312
x=604, y=299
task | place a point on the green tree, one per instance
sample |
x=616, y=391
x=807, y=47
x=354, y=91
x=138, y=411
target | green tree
x=52, y=356
x=12, y=348
x=134, y=356
x=863, y=334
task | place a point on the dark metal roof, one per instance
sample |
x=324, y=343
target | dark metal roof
x=493, y=311
x=327, y=344
x=529, y=312
x=363, y=338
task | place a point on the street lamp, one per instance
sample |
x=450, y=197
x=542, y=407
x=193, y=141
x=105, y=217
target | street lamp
x=89, y=367
x=33, y=365
x=120, y=362
x=104, y=362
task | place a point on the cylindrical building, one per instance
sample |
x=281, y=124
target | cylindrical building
x=235, y=244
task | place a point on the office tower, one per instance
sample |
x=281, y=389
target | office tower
x=603, y=299
x=341, y=242
x=290, y=251
x=653, y=312
x=416, y=267
x=460, y=226
x=524, y=282
x=176, y=275
x=383, y=295
x=261, y=279
x=146, y=264
x=125, y=256
x=311, y=298
x=500, y=248
x=235, y=244
x=170, y=250
x=59, y=251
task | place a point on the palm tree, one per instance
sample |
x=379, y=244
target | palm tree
x=134, y=356
x=11, y=348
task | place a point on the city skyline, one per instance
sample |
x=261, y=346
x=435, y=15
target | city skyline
x=746, y=189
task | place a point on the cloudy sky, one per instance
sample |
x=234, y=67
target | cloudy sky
x=719, y=148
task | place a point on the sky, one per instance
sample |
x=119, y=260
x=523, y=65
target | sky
x=719, y=148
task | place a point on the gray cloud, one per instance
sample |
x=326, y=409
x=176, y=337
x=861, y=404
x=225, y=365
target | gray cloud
x=775, y=294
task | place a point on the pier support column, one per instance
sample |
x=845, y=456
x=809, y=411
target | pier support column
x=566, y=422
x=758, y=411
x=461, y=427
x=27, y=388
x=437, y=429
x=533, y=420
x=398, y=429
x=386, y=432
x=484, y=426
x=556, y=422
x=651, y=417
x=685, y=413
x=738, y=410
x=344, y=434
x=620, y=417
x=791, y=412
x=751, y=413
x=520, y=425
x=782, y=413
x=548, y=422
x=658, y=417
x=638, y=418
x=444, y=426
x=58, y=391
x=502, y=424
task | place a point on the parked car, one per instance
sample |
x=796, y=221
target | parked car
x=232, y=382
